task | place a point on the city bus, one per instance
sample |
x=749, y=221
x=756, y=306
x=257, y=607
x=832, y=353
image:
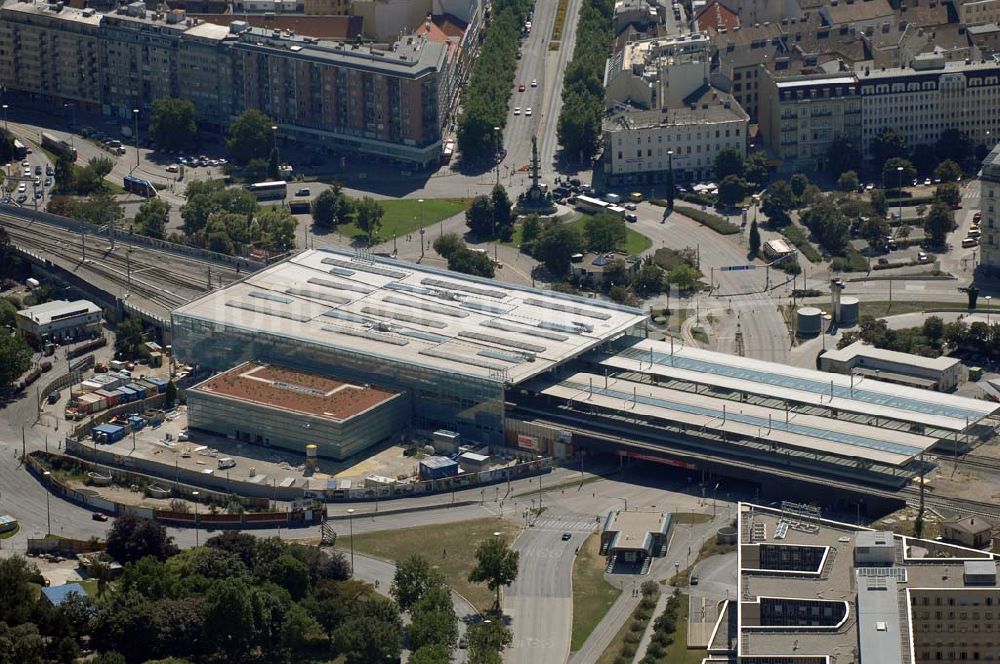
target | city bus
x=20, y=149
x=58, y=146
x=139, y=187
x=268, y=190
x=590, y=204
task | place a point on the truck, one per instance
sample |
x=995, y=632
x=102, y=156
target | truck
x=614, y=199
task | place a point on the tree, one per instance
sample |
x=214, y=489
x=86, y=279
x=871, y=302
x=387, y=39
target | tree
x=933, y=329
x=413, y=578
x=798, y=184
x=531, y=228
x=556, y=246
x=173, y=125
x=274, y=228
x=479, y=217
x=778, y=201
x=488, y=638
x=897, y=173
x=231, y=620
x=291, y=574
x=433, y=653
x=949, y=194
x=649, y=279
x=128, y=338
x=924, y=158
x=101, y=166
x=503, y=218
x=842, y=155
x=445, y=246
x=250, y=136
x=579, y=125
x=8, y=315
x=954, y=144
x=132, y=538
x=875, y=230
x=64, y=174
x=496, y=565
x=604, y=232
x=67, y=651
x=300, y=632
x=886, y=145
x=616, y=273
x=939, y=222
x=754, y=240
x=151, y=219
x=684, y=276
x=732, y=190
x=828, y=225
x=368, y=218
x=371, y=633
x=15, y=358
x=948, y=171
x=728, y=162
x=100, y=208
x=21, y=644
x=18, y=598
x=10, y=261
x=331, y=207
x=433, y=619
x=848, y=181
x=879, y=203
x=476, y=263
x=273, y=165
x=755, y=169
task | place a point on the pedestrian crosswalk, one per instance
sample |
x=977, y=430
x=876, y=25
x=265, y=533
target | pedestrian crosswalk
x=569, y=522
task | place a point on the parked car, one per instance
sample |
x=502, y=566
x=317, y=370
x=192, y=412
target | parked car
x=304, y=191
x=97, y=516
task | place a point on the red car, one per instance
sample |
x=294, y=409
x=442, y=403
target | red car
x=97, y=516
x=520, y=88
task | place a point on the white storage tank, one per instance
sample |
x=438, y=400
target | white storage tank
x=850, y=310
x=809, y=321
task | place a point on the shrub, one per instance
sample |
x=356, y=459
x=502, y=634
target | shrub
x=633, y=637
x=628, y=650
x=798, y=237
x=713, y=221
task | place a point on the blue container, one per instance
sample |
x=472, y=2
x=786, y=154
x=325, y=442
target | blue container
x=161, y=385
x=109, y=433
x=437, y=467
x=130, y=395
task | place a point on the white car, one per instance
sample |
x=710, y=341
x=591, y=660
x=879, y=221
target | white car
x=172, y=168
x=517, y=110
x=921, y=256
x=25, y=164
x=534, y=83
x=21, y=188
x=527, y=111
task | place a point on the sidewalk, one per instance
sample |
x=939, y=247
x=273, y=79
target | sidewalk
x=647, y=636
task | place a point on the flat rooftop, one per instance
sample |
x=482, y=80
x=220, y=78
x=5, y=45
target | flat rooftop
x=295, y=391
x=809, y=433
x=861, y=349
x=47, y=312
x=916, y=567
x=633, y=528
x=806, y=386
x=412, y=314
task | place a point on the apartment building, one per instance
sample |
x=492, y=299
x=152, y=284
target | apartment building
x=814, y=591
x=927, y=97
x=989, y=242
x=389, y=102
x=50, y=54
x=802, y=114
x=654, y=73
x=978, y=11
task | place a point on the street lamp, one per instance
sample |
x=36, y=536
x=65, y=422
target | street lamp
x=899, y=192
x=496, y=137
x=988, y=298
x=48, y=512
x=350, y=517
x=5, y=107
x=670, y=179
x=135, y=118
x=274, y=138
x=194, y=494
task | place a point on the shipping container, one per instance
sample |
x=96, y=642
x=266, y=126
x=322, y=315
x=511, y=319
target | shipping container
x=161, y=385
x=91, y=386
x=111, y=398
x=107, y=434
x=437, y=467
x=128, y=396
x=138, y=389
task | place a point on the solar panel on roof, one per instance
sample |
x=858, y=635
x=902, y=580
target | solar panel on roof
x=356, y=288
x=318, y=295
x=567, y=308
x=341, y=272
x=562, y=327
x=365, y=267
x=495, y=354
x=425, y=336
x=464, y=359
x=393, y=285
x=345, y=315
x=500, y=341
x=465, y=288
x=490, y=309
x=365, y=334
x=273, y=297
x=269, y=311
x=521, y=329
x=425, y=306
x=398, y=315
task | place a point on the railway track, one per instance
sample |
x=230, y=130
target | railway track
x=974, y=460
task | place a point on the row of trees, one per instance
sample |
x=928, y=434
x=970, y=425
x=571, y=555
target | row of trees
x=579, y=127
x=952, y=145
x=486, y=97
x=333, y=208
x=491, y=217
x=930, y=339
x=460, y=258
x=738, y=175
x=554, y=243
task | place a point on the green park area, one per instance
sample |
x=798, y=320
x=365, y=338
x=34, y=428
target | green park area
x=592, y=594
x=635, y=242
x=403, y=216
x=450, y=548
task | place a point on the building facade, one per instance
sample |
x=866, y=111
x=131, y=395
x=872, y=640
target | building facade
x=802, y=115
x=390, y=103
x=59, y=321
x=989, y=242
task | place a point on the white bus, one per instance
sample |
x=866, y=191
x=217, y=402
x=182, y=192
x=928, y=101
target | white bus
x=589, y=204
x=269, y=190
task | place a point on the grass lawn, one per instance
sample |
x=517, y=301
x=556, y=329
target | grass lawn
x=884, y=308
x=402, y=216
x=451, y=548
x=635, y=242
x=690, y=517
x=10, y=533
x=90, y=585
x=678, y=652
x=592, y=595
